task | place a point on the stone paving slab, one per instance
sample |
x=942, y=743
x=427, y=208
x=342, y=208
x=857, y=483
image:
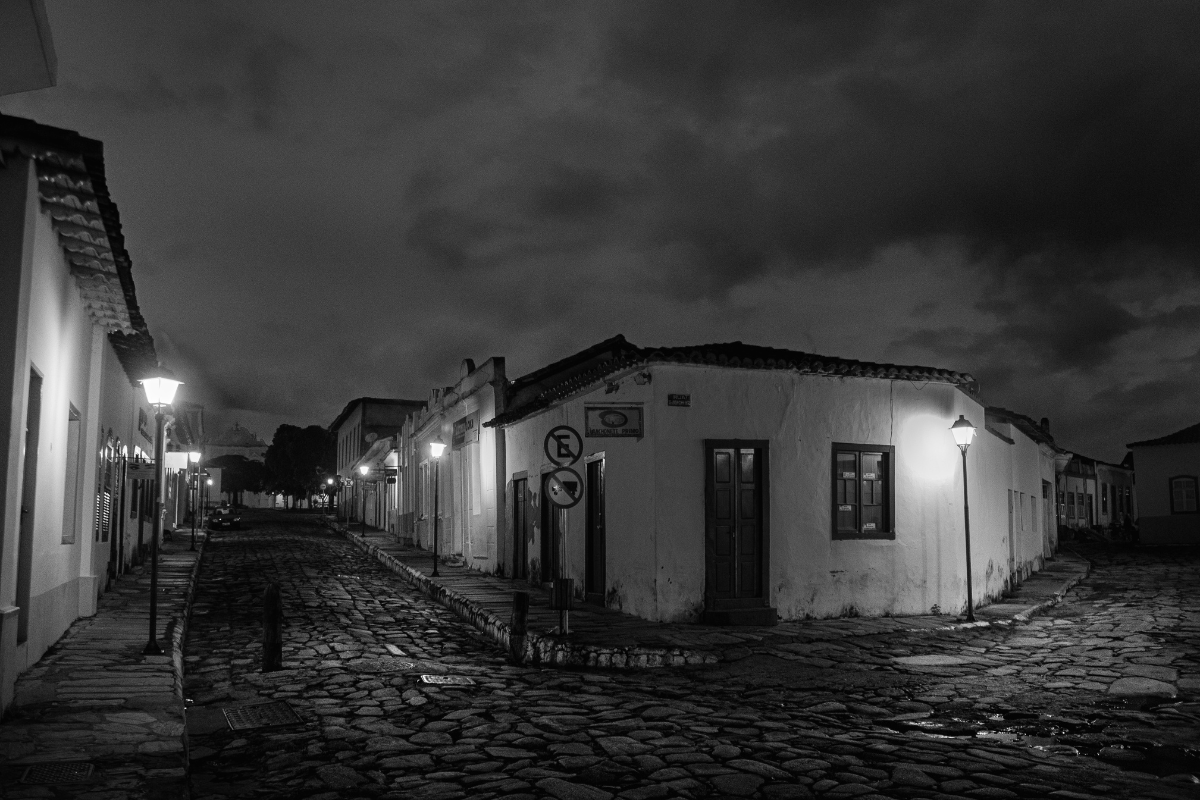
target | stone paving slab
x=94, y=697
x=602, y=637
x=987, y=711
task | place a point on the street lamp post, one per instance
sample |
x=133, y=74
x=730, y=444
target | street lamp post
x=194, y=485
x=963, y=432
x=436, y=447
x=328, y=494
x=364, y=469
x=160, y=391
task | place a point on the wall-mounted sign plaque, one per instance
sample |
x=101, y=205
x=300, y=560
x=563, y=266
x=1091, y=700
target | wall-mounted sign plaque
x=613, y=421
x=466, y=430
x=681, y=400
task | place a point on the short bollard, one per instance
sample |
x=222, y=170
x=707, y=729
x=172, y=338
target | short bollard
x=272, y=658
x=520, y=627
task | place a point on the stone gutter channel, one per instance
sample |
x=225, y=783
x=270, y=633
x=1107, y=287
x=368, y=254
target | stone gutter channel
x=1040, y=592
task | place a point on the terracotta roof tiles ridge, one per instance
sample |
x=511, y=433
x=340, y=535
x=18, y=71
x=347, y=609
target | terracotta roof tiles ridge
x=1189, y=435
x=735, y=355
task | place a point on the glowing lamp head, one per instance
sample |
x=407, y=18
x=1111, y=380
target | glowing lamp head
x=210, y=481
x=436, y=447
x=194, y=456
x=963, y=432
x=160, y=387
x=364, y=469
x=329, y=481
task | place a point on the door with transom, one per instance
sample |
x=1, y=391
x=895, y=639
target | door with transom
x=736, y=553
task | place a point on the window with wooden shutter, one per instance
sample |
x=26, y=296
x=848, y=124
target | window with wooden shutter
x=863, y=491
x=1183, y=494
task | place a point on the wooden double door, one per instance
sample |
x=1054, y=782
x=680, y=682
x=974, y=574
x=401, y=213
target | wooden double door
x=736, y=524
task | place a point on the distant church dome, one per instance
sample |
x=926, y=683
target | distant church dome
x=237, y=436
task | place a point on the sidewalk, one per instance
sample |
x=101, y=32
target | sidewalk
x=600, y=637
x=95, y=699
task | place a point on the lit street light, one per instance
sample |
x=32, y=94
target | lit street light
x=194, y=486
x=436, y=447
x=364, y=469
x=963, y=432
x=160, y=391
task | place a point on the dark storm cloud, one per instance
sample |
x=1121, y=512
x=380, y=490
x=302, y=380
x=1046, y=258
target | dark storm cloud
x=353, y=202
x=1016, y=127
x=223, y=68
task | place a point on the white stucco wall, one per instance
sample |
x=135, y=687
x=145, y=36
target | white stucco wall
x=655, y=491
x=60, y=346
x=467, y=502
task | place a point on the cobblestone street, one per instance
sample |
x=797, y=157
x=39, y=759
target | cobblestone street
x=1095, y=699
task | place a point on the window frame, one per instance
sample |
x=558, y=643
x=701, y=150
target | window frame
x=1195, y=493
x=889, y=488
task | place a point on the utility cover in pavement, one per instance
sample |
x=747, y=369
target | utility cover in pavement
x=260, y=715
x=448, y=680
x=59, y=772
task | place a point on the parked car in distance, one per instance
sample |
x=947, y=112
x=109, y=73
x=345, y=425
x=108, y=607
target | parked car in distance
x=224, y=518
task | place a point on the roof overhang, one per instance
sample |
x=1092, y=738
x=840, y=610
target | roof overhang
x=379, y=455
x=29, y=61
x=73, y=193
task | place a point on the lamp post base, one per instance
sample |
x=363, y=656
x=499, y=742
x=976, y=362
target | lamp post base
x=152, y=649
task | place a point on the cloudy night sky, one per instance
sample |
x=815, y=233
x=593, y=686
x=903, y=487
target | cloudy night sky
x=330, y=200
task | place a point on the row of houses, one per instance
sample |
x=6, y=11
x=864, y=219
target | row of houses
x=77, y=496
x=725, y=483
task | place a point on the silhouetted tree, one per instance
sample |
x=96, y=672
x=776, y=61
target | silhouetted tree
x=239, y=474
x=298, y=459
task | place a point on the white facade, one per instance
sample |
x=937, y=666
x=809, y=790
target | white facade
x=468, y=476
x=70, y=430
x=655, y=562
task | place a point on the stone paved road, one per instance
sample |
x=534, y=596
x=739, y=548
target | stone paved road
x=986, y=713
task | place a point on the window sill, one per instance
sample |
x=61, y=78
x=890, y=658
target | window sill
x=846, y=535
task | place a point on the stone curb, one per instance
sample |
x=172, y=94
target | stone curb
x=545, y=651
x=538, y=650
x=177, y=632
x=1023, y=616
x=1060, y=594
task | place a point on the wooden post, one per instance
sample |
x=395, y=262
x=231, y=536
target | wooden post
x=520, y=627
x=272, y=658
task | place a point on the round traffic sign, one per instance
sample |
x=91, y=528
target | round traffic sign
x=564, y=487
x=563, y=446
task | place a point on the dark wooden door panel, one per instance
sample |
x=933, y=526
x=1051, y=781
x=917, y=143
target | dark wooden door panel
x=734, y=524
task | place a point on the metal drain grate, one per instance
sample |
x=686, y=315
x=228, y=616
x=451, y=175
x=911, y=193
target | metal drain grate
x=59, y=772
x=260, y=715
x=448, y=680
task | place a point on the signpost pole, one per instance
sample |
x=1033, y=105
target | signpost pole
x=563, y=613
